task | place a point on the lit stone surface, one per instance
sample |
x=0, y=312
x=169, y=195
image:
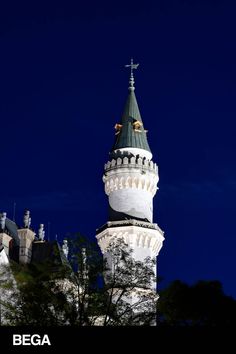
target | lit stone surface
x=140, y=152
x=3, y=258
x=131, y=184
x=27, y=237
x=135, y=203
x=5, y=240
x=145, y=242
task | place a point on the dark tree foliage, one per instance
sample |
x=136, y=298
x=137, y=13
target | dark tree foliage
x=84, y=292
x=38, y=300
x=50, y=294
x=202, y=304
x=106, y=302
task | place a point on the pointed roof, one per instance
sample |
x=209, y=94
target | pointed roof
x=130, y=131
x=11, y=229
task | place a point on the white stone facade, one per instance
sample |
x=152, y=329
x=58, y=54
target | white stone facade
x=5, y=240
x=145, y=242
x=131, y=183
x=3, y=258
x=27, y=237
x=8, y=287
x=140, y=152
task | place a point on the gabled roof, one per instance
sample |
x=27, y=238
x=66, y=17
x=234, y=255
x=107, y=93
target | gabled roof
x=51, y=253
x=44, y=251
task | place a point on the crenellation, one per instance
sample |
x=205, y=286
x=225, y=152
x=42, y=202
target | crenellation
x=130, y=162
x=125, y=160
x=139, y=161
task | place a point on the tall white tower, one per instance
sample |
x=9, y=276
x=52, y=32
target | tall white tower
x=130, y=178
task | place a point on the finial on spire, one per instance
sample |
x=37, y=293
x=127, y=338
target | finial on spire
x=131, y=80
x=41, y=232
x=3, y=220
x=27, y=219
x=65, y=248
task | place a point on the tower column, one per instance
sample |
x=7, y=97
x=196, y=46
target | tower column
x=27, y=236
x=130, y=180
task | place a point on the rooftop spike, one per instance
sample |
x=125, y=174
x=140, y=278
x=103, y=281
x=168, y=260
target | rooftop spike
x=3, y=220
x=65, y=248
x=41, y=232
x=130, y=132
x=27, y=219
x=131, y=80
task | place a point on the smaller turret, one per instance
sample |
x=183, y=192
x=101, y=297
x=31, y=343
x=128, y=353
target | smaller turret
x=41, y=232
x=27, y=237
x=27, y=219
x=3, y=221
x=65, y=248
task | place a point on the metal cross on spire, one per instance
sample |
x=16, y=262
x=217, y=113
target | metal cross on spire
x=131, y=66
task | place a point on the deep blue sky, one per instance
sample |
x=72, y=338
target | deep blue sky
x=62, y=89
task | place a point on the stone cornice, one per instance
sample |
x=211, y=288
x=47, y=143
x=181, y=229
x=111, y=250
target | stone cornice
x=134, y=236
x=130, y=222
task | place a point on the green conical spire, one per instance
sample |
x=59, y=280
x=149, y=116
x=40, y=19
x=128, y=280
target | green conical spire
x=130, y=130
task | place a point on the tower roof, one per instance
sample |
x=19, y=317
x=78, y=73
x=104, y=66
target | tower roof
x=130, y=131
x=11, y=229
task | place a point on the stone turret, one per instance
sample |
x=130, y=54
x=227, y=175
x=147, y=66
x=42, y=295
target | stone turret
x=130, y=179
x=130, y=183
x=65, y=248
x=41, y=232
x=27, y=237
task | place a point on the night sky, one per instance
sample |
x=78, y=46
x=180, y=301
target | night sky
x=63, y=86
